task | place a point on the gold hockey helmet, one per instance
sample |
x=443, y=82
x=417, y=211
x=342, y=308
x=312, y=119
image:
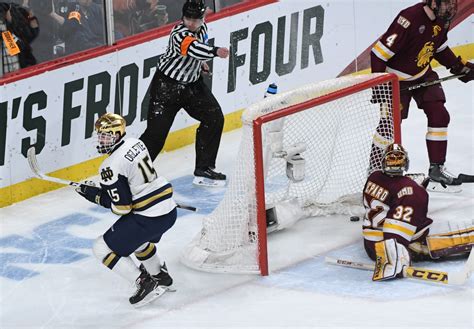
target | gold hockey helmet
x=395, y=160
x=110, y=129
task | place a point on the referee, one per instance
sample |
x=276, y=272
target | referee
x=178, y=84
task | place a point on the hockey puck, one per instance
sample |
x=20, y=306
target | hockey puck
x=354, y=218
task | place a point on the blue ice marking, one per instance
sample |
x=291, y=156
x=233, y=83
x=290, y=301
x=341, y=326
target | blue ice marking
x=204, y=198
x=49, y=243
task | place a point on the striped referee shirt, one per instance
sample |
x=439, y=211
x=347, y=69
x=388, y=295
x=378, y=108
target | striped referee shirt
x=185, y=53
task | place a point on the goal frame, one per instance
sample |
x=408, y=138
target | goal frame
x=258, y=146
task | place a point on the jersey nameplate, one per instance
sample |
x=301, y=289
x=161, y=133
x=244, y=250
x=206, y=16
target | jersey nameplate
x=134, y=151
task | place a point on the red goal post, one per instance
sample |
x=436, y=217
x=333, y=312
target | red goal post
x=298, y=130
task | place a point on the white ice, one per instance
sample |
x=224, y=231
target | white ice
x=49, y=278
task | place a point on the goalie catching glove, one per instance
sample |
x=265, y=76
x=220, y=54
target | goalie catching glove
x=391, y=259
x=95, y=195
x=463, y=67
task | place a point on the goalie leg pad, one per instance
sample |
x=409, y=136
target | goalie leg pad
x=450, y=239
x=391, y=258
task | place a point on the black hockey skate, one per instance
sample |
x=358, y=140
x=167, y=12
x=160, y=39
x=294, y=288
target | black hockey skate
x=439, y=174
x=208, y=177
x=146, y=289
x=442, y=181
x=164, y=278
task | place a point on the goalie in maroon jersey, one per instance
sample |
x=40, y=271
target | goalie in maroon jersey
x=396, y=227
x=416, y=36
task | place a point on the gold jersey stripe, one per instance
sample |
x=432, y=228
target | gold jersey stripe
x=144, y=203
x=379, y=50
x=121, y=209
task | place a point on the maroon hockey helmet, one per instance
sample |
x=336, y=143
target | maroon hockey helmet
x=395, y=160
x=194, y=9
x=444, y=9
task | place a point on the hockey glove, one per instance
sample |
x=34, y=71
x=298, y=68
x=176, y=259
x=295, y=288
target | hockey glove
x=392, y=258
x=94, y=195
x=462, y=67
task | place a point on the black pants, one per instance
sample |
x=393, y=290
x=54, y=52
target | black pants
x=167, y=97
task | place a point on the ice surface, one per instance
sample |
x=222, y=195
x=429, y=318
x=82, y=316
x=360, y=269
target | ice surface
x=49, y=278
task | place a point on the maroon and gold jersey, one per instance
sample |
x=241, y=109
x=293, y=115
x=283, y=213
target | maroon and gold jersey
x=396, y=207
x=411, y=42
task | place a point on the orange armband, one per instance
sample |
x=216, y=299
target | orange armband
x=75, y=15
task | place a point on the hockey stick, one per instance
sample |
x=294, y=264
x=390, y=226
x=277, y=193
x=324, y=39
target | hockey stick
x=31, y=155
x=450, y=278
x=430, y=83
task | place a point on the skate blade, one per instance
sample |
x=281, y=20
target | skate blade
x=438, y=188
x=158, y=292
x=206, y=182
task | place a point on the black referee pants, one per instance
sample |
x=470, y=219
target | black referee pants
x=167, y=97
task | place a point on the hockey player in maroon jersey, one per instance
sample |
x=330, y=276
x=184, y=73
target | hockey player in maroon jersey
x=396, y=227
x=416, y=36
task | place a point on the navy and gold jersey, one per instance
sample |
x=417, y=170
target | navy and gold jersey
x=396, y=207
x=132, y=183
x=411, y=42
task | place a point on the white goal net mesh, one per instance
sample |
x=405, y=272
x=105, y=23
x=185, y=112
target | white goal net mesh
x=341, y=141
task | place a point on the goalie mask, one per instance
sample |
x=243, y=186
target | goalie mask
x=395, y=160
x=444, y=9
x=110, y=130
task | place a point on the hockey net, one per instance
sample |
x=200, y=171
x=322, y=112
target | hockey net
x=339, y=127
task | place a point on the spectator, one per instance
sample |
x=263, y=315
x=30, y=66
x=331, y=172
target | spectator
x=23, y=28
x=135, y=16
x=148, y=15
x=8, y=54
x=84, y=27
x=122, y=12
x=174, y=9
x=48, y=38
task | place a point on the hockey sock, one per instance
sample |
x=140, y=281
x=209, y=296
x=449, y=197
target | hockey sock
x=147, y=255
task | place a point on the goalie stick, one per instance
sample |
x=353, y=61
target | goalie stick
x=31, y=155
x=450, y=278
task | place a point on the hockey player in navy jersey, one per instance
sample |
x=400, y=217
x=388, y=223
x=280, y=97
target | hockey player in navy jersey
x=131, y=188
